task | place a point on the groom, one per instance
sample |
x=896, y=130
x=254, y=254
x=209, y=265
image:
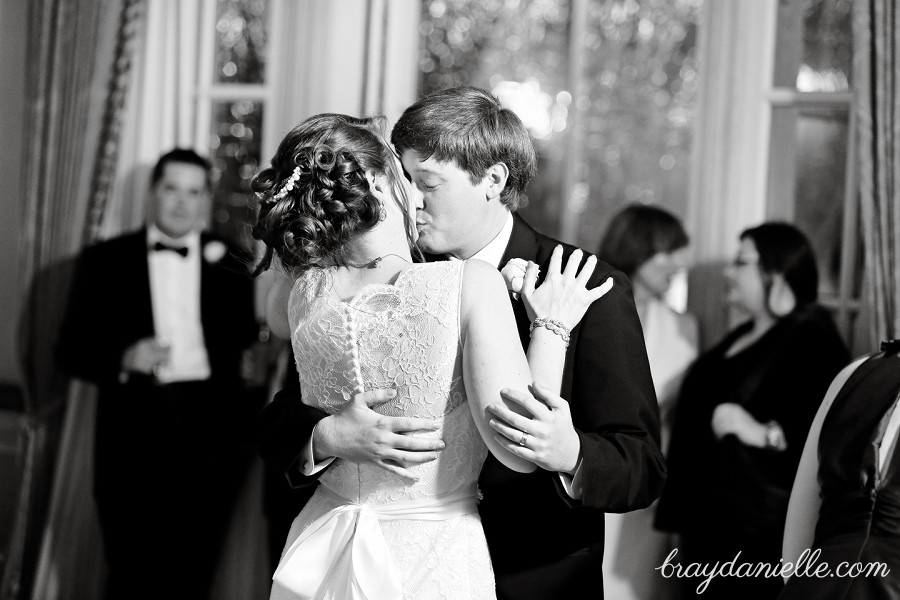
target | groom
x=599, y=452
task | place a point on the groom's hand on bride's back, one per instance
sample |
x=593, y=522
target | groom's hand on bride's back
x=359, y=434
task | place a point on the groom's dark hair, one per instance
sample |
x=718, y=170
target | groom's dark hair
x=467, y=125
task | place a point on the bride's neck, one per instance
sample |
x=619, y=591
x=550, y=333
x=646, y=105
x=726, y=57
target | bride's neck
x=378, y=242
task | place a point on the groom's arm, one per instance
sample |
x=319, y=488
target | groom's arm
x=613, y=404
x=282, y=432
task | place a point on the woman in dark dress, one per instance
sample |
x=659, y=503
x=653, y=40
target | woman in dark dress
x=845, y=505
x=743, y=414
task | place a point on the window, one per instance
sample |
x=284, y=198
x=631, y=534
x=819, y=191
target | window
x=607, y=89
x=811, y=177
x=232, y=105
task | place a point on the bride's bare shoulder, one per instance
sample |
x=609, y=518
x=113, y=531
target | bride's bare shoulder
x=482, y=290
x=277, y=304
x=477, y=272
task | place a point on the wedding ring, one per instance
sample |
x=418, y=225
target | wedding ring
x=524, y=439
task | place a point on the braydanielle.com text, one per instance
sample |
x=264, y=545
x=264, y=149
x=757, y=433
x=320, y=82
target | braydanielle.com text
x=807, y=565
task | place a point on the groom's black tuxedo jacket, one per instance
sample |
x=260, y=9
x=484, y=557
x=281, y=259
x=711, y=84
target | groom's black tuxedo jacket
x=548, y=544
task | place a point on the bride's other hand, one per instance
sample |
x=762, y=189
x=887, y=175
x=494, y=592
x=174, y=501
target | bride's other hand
x=563, y=295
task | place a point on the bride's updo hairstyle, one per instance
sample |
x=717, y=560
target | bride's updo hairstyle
x=315, y=195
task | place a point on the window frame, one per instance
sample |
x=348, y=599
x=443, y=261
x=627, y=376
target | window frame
x=209, y=92
x=781, y=174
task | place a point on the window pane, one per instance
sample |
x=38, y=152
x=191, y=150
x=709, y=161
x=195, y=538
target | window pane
x=639, y=87
x=241, y=41
x=815, y=45
x=827, y=46
x=640, y=94
x=519, y=51
x=821, y=138
x=236, y=151
x=491, y=42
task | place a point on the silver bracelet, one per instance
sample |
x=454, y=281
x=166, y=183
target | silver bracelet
x=552, y=325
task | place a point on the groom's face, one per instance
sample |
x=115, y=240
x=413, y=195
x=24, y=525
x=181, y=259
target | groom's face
x=453, y=215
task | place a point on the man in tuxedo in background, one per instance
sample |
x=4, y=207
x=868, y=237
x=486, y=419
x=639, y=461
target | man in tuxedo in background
x=159, y=319
x=471, y=160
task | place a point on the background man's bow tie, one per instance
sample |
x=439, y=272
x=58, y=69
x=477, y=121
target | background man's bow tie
x=182, y=250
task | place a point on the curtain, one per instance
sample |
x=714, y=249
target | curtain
x=116, y=83
x=735, y=51
x=346, y=56
x=876, y=31
x=75, y=88
x=160, y=112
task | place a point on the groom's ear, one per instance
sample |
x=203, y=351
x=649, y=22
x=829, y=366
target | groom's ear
x=496, y=177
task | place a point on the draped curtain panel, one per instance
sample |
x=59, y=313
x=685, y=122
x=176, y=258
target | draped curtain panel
x=876, y=61
x=730, y=143
x=78, y=64
x=160, y=112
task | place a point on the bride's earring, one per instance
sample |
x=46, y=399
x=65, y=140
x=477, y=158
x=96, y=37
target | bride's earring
x=383, y=214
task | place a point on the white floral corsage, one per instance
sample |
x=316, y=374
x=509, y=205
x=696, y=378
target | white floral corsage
x=214, y=251
x=514, y=275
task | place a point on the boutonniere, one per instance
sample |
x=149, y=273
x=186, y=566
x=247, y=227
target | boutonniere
x=514, y=275
x=214, y=251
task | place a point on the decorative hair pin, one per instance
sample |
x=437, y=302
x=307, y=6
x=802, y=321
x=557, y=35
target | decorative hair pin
x=288, y=185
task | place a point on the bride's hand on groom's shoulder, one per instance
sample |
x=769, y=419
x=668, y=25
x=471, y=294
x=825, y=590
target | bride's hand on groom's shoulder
x=563, y=295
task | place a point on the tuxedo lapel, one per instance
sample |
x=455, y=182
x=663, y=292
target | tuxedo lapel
x=522, y=244
x=134, y=263
x=209, y=286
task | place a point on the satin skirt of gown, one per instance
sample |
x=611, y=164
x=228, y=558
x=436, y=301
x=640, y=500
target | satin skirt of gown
x=367, y=533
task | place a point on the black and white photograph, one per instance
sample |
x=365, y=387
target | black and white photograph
x=450, y=300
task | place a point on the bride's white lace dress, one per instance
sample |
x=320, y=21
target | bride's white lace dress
x=367, y=533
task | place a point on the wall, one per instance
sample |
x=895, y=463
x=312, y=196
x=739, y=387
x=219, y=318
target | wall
x=13, y=28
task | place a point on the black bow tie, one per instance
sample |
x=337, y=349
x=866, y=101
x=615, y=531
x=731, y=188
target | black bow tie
x=182, y=250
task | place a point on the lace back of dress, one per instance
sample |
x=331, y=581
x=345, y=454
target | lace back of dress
x=403, y=336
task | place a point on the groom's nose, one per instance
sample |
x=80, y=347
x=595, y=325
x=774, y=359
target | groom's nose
x=418, y=199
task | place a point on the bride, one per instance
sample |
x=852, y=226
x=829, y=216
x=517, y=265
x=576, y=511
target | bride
x=337, y=214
